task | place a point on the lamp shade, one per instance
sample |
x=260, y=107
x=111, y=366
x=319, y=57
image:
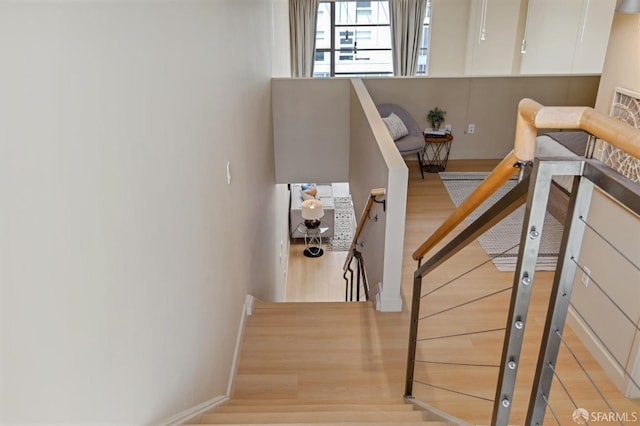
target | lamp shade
x=312, y=209
x=628, y=6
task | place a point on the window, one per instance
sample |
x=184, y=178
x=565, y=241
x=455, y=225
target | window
x=356, y=39
x=423, y=57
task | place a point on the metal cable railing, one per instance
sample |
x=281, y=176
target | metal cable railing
x=596, y=392
x=465, y=297
x=587, y=174
x=360, y=283
x=614, y=413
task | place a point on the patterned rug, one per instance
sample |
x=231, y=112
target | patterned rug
x=344, y=224
x=506, y=233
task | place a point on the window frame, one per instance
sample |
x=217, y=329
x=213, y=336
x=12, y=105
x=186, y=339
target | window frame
x=336, y=50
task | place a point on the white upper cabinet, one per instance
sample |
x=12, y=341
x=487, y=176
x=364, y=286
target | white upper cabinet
x=491, y=41
x=566, y=36
x=593, y=38
x=485, y=37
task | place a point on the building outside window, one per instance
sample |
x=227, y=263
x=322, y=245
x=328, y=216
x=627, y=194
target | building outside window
x=423, y=58
x=354, y=39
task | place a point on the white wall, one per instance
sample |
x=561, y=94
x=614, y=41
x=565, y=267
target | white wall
x=124, y=255
x=376, y=163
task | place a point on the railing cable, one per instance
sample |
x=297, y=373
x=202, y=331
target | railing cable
x=602, y=237
x=454, y=391
x=604, y=345
x=465, y=303
x=566, y=391
x=593, y=383
x=462, y=364
x=469, y=271
x=553, y=414
x=631, y=321
x=462, y=334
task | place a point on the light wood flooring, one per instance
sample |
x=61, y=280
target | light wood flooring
x=327, y=352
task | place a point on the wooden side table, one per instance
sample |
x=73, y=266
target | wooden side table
x=436, y=153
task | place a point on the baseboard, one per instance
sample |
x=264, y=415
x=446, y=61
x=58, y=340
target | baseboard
x=190, y=414
x=387, y=305
x=247, y=310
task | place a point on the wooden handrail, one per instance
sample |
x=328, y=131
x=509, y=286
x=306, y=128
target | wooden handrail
x=375, y=193
x=531, y=117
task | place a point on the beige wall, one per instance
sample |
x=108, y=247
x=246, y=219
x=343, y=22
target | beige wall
x=125, y=256
x=488, y=102
x=622, y=62
x=621, y=69
x=311, y=129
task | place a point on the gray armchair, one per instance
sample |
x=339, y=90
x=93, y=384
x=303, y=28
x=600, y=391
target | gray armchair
x=414, y=142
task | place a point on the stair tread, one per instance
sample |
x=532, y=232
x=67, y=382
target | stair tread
x=368, y=401
x=293, y=307
x=314, y=417
x=277, y=408
x=418, y=423
x=312, y=305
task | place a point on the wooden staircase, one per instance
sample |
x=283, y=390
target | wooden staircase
x=287, y=412
x=321, y=364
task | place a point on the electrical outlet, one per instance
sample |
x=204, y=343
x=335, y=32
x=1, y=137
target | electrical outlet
x=586, y=276
x=472, y=129
x=447, y=128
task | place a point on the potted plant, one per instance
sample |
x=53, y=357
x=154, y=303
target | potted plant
x=436, y=117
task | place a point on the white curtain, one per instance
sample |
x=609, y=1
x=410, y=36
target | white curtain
x=302, y=31
x=407, y=17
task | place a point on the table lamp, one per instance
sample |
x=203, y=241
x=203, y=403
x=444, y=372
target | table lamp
x=311, y=213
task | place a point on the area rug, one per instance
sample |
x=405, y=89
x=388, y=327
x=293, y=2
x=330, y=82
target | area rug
x=506, y=234
x=344, y=225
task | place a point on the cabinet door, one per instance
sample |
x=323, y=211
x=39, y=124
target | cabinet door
x=493, y=25
x=550, y=35
x=593, y=36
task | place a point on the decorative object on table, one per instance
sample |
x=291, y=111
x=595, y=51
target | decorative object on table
x=312, y=212
x=436, y=117
x=436, y=133
x=498, y=241
x=308, y=191
x=413, y=142
x=344, y=225
x=436, y=152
